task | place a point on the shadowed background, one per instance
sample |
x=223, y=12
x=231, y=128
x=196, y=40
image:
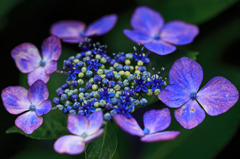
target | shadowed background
x=217, y=44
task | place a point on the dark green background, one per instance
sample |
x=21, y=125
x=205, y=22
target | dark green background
x=217, y=45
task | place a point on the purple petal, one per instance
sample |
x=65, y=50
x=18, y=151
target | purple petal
x=67, y=29
x=160, y=47
x=147, y=21
x=73, y=40
x=161, y=136
x=69, y=144
x=178, y=32
x=102, y=25
x=174, y=96
x=136, y=36
x=129, y=125
x=51, y=48
x=95, y=121
x=186, y=73
x=77, y=124
x=38, y=92
x=38, y=74
x=26, y=57
x=15, y=99
x=50, y=67
x=94, y=136
x=43, y=108
x=157, y=120
x=218, y=96
x=28, y=122
x=190, y=114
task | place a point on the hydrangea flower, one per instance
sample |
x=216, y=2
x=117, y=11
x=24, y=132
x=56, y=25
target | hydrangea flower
x=185, y=78
x=155, y=121
x=149, y=30
x=32, y=102
x=83, y=129
x=29, y=60
x=76, y=31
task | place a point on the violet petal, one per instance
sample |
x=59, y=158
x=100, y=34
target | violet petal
x=160, y=47
x=94, y=136
x=38, y=74
x=51, y=67
x=43, y=108
x=38, y=92
x=218, y=96
x=69, y=144
x=129, y=125
x=26, y=57
x=101, y=26
x=186, y=73
x=190, y=114
x=15, y=99
x=136, y=36
x=67, y=29
x=28, y=122
x=174, y=96
x=77, y=124
x=178, y=32
x=161, y=136
x=147, y=21
x=95, y=121
x=157, y=120
x=51, y=48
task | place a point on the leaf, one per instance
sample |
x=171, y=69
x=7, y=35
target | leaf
x=191, y=11
x=104, y=146
x=210, y=137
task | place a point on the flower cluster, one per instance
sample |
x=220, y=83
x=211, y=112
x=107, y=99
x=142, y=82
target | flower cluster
x=98, y=82
x=100, y=87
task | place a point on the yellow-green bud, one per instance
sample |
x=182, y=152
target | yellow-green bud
x=127, y=62
x=96, y=104
x=80, y=82
x=81, y=75
x=94, y=87
x=98, y=56
x=84, y=69
x=140, y=63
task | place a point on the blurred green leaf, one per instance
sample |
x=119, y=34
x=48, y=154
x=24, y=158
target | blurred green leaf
x=206, y=140
x=104, y=146
x=191, y=11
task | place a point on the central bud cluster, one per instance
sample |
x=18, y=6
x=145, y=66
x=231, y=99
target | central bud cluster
x=98, y=82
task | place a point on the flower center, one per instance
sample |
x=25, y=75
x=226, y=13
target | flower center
x=32, y=107
x=156, y=36
x=42, y=63
x=84, y=135
x=146, y=131
x=193, y=95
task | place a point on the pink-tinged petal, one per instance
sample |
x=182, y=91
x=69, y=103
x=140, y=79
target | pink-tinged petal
x=102, y=25
x=174, y=96
x=95, y=121
x=161, y=136
x=218, y=96
x=28, y=122
x=51, y=48
x=159, y=47
x=94, y=136
x=157, y=120
x=26, y=57
x=73, y=40
x=43, y=108
x=77, y=124
x=129, y=125
x=38, y=74
x=190, y=114
x=136, y=36
x=50, y=67
x=15, y=99
x=69, y=144
x=147, y=21
x=67, y=29
x=38, y=92
x=186, y=73
x=178, y=32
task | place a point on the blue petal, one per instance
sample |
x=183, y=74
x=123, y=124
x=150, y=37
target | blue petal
x=137, y=36
x=160, y=47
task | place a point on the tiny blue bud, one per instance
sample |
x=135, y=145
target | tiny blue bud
x=64, y=97
x=56, y=100
x=107, y=116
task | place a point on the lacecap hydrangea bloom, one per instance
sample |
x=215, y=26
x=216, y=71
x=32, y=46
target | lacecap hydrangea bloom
x=100, y=87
